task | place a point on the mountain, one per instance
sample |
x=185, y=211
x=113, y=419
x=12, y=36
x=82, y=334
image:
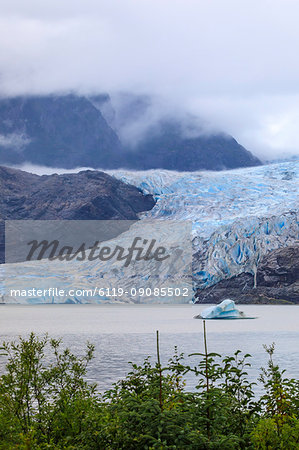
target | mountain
x=69, y=131
x=56, y=131
x=87, y=195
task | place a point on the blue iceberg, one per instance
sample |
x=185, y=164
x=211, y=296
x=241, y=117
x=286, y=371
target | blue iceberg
x=225, y=310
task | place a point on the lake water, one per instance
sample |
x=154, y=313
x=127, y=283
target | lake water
x=123, y=333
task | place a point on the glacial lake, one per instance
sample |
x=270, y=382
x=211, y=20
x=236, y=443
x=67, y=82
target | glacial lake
x=123, y=333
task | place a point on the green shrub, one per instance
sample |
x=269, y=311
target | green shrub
x=46, y=403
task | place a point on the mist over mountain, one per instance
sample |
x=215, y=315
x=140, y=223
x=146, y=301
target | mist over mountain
x=69, y=131
x=62, y=131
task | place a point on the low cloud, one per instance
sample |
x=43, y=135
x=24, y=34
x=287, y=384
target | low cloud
x=14, y=141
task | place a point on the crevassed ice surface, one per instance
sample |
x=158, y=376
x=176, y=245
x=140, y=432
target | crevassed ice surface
x=213, y=199
x=238, y=215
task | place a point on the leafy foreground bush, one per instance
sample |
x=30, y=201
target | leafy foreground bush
x=47, y=404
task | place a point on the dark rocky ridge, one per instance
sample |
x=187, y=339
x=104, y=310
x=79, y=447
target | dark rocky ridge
x=166, y=146
x=277, y=281
x=87, y=195
x=70, y=131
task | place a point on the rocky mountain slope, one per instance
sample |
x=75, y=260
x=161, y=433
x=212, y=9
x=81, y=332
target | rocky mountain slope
x=71, y=131
x=87, y=195
x=277, y=280
x=165, y=146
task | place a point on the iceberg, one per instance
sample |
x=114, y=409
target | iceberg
x=225, y=310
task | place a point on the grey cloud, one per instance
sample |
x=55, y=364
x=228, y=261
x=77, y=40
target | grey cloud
x=232, y=63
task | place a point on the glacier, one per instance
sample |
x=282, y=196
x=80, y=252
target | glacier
x=237, y=217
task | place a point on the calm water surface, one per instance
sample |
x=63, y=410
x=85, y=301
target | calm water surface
x=123, y=333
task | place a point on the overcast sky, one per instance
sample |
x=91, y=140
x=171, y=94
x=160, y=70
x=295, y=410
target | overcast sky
x=233, y=62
